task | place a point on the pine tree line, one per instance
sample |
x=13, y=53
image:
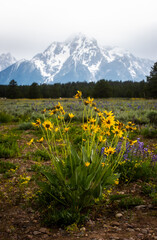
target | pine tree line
x=100, y=89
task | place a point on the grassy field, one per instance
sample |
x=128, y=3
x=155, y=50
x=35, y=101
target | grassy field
x=27, y=167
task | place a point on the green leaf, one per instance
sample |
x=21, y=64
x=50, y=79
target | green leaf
x=97, y=191
x=84, y=155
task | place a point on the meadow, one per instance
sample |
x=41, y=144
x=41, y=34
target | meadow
x=72, y=161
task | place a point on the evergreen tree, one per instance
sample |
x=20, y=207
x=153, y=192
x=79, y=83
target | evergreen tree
x=34, y=91
x=152, y=82
x=13, y=91
x=102, y=89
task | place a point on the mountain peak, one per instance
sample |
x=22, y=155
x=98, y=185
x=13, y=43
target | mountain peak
x=79, y=58
x=6, y=59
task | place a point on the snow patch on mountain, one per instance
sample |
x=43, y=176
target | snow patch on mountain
x=6, y=59
x=78, y=59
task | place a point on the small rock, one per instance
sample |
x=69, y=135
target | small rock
x=140, y=207
x=118, y=229
x=118, y=215
x=150, y=206
x=122, y=193
x=43, y=230
x=83, y=229
x=115, y=238
x=30, y=237
x=144, y=231
x=91, y=223
x=140, y=235
x=115, y=223
x=36, y=232
x=45, y=236
x=105, y=226
x=130, y=230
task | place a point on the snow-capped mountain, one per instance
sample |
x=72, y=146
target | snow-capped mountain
x=6, y=59
x=77, y=59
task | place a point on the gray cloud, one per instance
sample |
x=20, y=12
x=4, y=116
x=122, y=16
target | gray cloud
x=28, y=27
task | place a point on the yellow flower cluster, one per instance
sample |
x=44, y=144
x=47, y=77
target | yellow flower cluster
x=57, y=109
x=105, y=127
x=78, y=94
x=109, y=151
x=131, y=126
x=37, y=123
x=24, y=180
x=48, y=125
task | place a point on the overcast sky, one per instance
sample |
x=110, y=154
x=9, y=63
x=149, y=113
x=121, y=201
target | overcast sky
x=28, y=27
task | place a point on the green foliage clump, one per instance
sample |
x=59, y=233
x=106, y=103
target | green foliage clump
x=26, y=126
x=130, y=202
x=41, y=155
x=5, y=166
x=152, y=116
x=9, y=146
x=149, y=132
x=5, y=117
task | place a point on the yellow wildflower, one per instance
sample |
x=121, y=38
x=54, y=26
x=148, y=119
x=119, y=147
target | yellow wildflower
x=85, y=127
x=108, y=114
x=37, y=124
x=78, y=94
x=66, y=129
x=51, y=112
x=30, y=142
x=87, y=164
x=132, y=142
x=40, y=140
x=117, y=132
x=90, y=101
x=91, y=120
x=56, y=129
x=44, y=110
x=60, y=117
x=116, y=181
x=101, y=139
x=96, y=109
x=47, y=125
x=100, y=114
x=109, y=121
x=109, y=151
x=119, y=124
x=71, y=115
x=103, y=164
x=86, y=102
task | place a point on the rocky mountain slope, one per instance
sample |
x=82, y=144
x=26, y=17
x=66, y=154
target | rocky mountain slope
x=77, y=59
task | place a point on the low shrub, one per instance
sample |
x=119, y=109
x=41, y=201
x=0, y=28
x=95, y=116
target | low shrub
x=152, y=116
x=5, y=117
